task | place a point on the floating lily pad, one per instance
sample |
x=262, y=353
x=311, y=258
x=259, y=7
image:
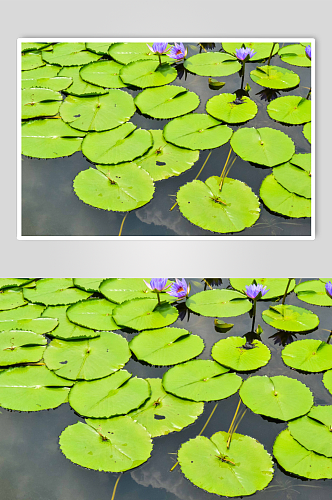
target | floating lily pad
x=96, y=314
x=265, y=146
x=103, y=73
x=98, y=113
x=121, y=187
x=219, y=303
x=66, y=329
x=45, y=77
x=55, y=291
x=69, y=54
x=145, y=74
x=40, y=102
x=80, y=87
x=290, y=318
x=212, y=64
x=119, y=145
x=166, y=346
x=14, y=282
x=10, y=299
x=114, y=395
x=234, y=470
x=87, y=359
x=263, y=50
x=143, y=314
x=18, y=346
x=307, y=131
x=280, y=200
x=298, y=460
x=100, y=444
x=224, y=108
x=98, y=48
x=166, y=102
x=230, y=210
x=121, y=289
x=201, y=380
x=309, y=355
x=163, y=413
x=27, y=318
x=302, y=160
x=294, y=179
x=290, y=109
x=327, y=380
x=277, y=397
x=88, y=284
x=165, y=160
x=27, y=311
x=295, y=55
x=275, y=77
x=276, y=286
x=236, y=354
x=197, y=131
x=128, y=52
x=32, y=388
x=313, y=292
x=50, y=138
x=27, y=46
x=31, y=60
x=313, y=431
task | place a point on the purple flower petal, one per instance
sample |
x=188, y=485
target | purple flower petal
x=243, y=54
x=308, y=52
x=157, y=284
x=328, y=288
x=179, y=289
x=178, y=51
x=253, y=291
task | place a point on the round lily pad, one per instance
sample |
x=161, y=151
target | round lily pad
x=50, y=138
x=275, y=77
x=234, y=470
x=26, y=311
x=298, y=460
x=99, y=444
x=121, y=187
x=166, y=346
x=165, y=160
x=201, y=380
x=14, y=282
x=88, y=284
x=226, y=108
x=55, y=291
x=280, y=200
x=197, y=131
x=143, y=314
x=276, y=286
x=145, y=74
x=122, y=289
x=27, y=318
x=121, y=144
x=309, y=355
x=302, y=160
x=265, y=146
x=79, y=86
x=277, y=397
x=236, y=354
x=96, y=314
x=66, y=329
x=27, y=46
x=295, y=55
x=219, y=303
x=307, y=131
x=263, y=50
x=313, y=292
x=31, y=60
x=230, y=210
x=69, y=54
x=127, y=52
x=294, y=179
x=212, y=64
x=40, y=102
x=290, y=318
x=18, y=346
x=166, y=102
x=313, y=431
x=87, y=359
x=163, y=413
x=45, y=77
x=103, y=73
x=114, y=395
x=290, y=109
x=98, y=48
x=10, y=299
x=327, y=380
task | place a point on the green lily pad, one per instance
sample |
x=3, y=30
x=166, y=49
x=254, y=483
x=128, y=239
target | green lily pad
x=313, y=431
x=87, y=359
x=27, y=46
x=80, y=87
x=143, y=314
x=302, y=160
x=67, y=330
x=166, y=346
x=280, y=200
x=166, y=102
x=197, y=131
x=50, y=138
x=45, y=77
x=145, y=74
x=294, y=179
x=165, y=160
x=98, y=48
x=290, y=318
x=163, y=413
x=88, y=284
x=212, y=64
x=18, y=346
x=307, y=131
x=201, y=380
x=27, y=311
x=27, y=318
x=32, y=388
x=309, y=355
x=290, y=109
x=121, y=187
x=114, y=395
x=313, y=292
x=128, y=52
x=10, y=299
x=121, y=289
x=31, y=60
x=277, y=397
x=219, y=303
x=69, y=54
x=98, y=113
x=263, y=50
x=327, y=380
x=234, y=353
x=40, y=102
x=96, y=314
x=103, y=73
x=14, y=282
x=224, y=108
x=233, y=471
x=55, y=291
x=298, y=460
x=295, y=55
x=265, y=146
x=276, y=286
x=100, y=444
x=119, y=145
x=275, y=77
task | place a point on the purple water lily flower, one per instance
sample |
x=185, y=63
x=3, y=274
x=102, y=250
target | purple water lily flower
x=253, y=291
x=328, y=288
x=158, y=47
x=179, y=289
x=157, y=284
x=178, y=51
x=242, y=54
x=308, y=52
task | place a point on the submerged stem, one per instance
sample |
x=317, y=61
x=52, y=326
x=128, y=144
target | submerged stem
x=253, y=315
x=268, y=63
x=115, y=486
x=243, y=70
x=284, y=297
x=121, y=227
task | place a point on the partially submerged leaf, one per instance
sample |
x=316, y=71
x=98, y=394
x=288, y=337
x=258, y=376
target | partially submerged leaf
x=275, y=77
x=290, y=318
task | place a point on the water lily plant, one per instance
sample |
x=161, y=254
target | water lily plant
x=244, y=55
x=255, y=292
x=159, y=48
x=178, y=51
x=157, y=285
x=180, y=289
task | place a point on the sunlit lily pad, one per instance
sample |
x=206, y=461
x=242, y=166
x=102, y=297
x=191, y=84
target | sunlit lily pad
x=294, y=179
x=26, y=311
x=103, y=73
x=55, y=291
x=302, y=160
x=145, y=74
x=212, y=64
x=96, y=314
x=10, y=299
x=98, y=47
x=327, y=380
x=313, y=431
x=295, y=55
x=236, y=354
x=277, y=397
x=69, y=54
x=121, y=289
x=88, y=284
x=307, y=131
x=290, y=109
x=263, y=50
x=290, y=318
x=230, y=210
x=142, y=314
x=27, y=318
x=166, y=102
x=39, y=102
x=275, y=77
x=46, y=78
x=219, y=303
x=280, y=200
x=80, y=87
x=223, y=107
x=128, y=52
x=27, y=46
x=66, y=330
x=31, y=60
x=309, y=355
x=313, y=292
x=14, y=282
x=18, y=346
x=276, y=286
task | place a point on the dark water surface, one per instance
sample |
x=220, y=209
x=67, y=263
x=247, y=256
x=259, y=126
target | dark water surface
x=51, y=208
x=33, y=468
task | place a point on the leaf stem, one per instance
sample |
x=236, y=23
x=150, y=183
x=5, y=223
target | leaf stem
x=308, y=94
x=121, y=227
x=253, y=315
x=284, y=297
x=115, y=486
x=243, y=70
x=268, y=62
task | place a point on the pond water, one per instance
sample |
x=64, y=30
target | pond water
x=51, y=208
x=32, y=466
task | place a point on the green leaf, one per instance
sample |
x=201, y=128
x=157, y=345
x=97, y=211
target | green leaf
x=121, y=289
x=212, y=64
x=277, y=397
x=290, y=318
x=66, y=329
x=119, y=145
x=313, y=292
x=308, y=355
x=263, y=50
x=100, y=444
x=126, y=53
x=290, y=109
x=79, y=87
x=215, y=84
x=27, y=318
x=219, y=303
x=307, y=131
x=163, y=413
x=276, y=286
x=40, y=102
x=55, y=291
x=96, y=314
x=31, y=60
x=222, y=327
x=166, y=102
x=327, y=380
x=265, y=146
x=223, y=108
x=201, y=380
x=294, y=179
x=88, y=284
x=14, y=282
x=69, y=54
x=116, y=394
x=280, y=200
x=87, y=359
x=274, y=77
x=45, y=77
x=17, y=346
x=10, y=299
x=103, y=73
x=145, y=74
x=313, y=431
x=143, y=314
x=295, y=55
x=98, y=48
x=197, y=131
x=234, y=353
x=27, y=46
x=27, y=311
x=302, y=160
